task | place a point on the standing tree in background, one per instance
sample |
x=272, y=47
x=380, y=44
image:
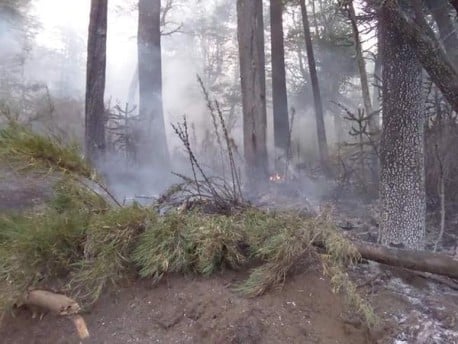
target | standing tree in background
x=152, y=141
x=402, y=180
x=441, y=10
x=250, y=34
x=279, y=96
x=350, y=8
x=319, y=114
x=95, y=80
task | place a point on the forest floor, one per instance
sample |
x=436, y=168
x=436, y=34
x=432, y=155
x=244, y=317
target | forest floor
x=189, y=309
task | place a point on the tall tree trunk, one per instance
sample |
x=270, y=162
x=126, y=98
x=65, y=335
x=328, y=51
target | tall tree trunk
x=361, y=65
x=402, y=181
x=373, y=121
x=95, y=80
x=153, y=141
x=279, y=96
x=250, y=36
x=440, y=10
x=133, y=87
x=321, y=131
x=377, y=78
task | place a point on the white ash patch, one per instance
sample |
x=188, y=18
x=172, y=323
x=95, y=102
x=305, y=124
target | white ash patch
x=429, y=313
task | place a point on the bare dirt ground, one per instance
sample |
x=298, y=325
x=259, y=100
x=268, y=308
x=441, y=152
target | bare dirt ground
x=198, y=310
x=185, y=309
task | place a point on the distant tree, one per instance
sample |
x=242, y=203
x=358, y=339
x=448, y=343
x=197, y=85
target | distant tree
x=279, y=96
x=95, y=80
x=152, y=140
x=350, y=8
x=252, y=74
x=441, y=12
x=402, y=183
x=319, y=114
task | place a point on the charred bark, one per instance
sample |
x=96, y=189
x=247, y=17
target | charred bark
x=279, y=96
x=319, y=113
x=152, y=142
x=250, y=34
x=95, y=81
x=402, y=181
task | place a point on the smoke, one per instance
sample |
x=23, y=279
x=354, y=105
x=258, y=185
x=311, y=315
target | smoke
x=57, y=59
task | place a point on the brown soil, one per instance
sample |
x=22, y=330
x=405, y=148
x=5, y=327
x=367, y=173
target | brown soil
x=199, y=310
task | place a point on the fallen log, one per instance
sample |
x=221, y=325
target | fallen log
x=58, y=304
x=425, y=261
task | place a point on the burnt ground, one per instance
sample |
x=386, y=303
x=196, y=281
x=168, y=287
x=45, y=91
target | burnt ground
x=186, y=309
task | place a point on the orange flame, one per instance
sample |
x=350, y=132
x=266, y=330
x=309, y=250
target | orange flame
x=276, y=177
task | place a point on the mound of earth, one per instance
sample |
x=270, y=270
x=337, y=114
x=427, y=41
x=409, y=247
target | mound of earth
x=202, y=310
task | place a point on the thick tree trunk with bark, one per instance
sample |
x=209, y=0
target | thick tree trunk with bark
x=252, y=74
x=279, y=96
x=321, y=131
x=95, y=81
x=152, y=142
x=402, y=181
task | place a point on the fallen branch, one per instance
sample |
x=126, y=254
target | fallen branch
x=60, y=305
x=432, y=262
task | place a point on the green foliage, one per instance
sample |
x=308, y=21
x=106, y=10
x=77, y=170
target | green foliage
x=110, y=238
x=189, y=243
x=341, y=282
x=36, y=249
x=28, y=150
x=86, y=246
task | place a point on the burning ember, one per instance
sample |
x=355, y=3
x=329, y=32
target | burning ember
x=276, y=178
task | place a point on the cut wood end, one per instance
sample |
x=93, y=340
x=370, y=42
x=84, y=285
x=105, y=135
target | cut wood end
x=57, y=303
x=81, y=327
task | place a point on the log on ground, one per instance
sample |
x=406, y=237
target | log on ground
x=425, y=261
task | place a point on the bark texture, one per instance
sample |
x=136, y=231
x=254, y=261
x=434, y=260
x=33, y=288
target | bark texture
x=279, y=96
x=152, y=142
x=95, y=81
x=432, y=57
x=402, y=181
x=250, y=36
x=319, y=113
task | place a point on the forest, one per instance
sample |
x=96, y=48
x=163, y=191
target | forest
x=229, y=171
